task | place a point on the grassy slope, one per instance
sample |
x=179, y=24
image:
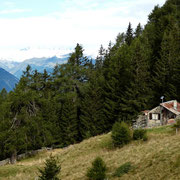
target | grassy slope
x=158, y=158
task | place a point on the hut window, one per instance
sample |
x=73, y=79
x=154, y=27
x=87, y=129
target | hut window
x=155, y=116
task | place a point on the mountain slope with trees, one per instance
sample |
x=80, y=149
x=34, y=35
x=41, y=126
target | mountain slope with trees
x=81, y=99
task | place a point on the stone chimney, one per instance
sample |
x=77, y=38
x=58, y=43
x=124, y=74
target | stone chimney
x=175, y=105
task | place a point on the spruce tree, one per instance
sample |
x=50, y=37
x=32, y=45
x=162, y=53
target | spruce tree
x=91, y=118
x=138, y=30
x=121, y=134
x=137, y=93
x=100, y=58
x=166, y=71
x=3, y=95
x=98, y=170
x=68, y=123
x=51, y=169
x=129, y=35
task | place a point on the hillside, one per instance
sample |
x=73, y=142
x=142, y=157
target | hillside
x=7, y=80
x=158, y=158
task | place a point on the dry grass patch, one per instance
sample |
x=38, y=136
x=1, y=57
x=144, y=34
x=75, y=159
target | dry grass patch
x=158, y=158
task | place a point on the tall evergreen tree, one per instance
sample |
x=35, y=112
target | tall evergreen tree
x=129, y=35
x=91, y=118
x=100, y=58
x=138, y=30
x=68, y=123
x=137, y=93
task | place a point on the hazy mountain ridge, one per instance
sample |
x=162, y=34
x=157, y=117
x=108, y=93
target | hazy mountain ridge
x=7, y=80
x=8, y=65
x=17, y=68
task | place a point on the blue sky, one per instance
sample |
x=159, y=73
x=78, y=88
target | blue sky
x=28, y=8
x=60, y=24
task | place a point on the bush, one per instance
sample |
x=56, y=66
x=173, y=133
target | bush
x=177, y=125
x=125, y=168
x=121, y=134
x=98, y=170
x=145, y=137
x=51, y=169
x=140, y=134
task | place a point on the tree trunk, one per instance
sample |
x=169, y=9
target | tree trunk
x=13, y=157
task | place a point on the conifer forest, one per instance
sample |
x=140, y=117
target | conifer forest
x=85, y=97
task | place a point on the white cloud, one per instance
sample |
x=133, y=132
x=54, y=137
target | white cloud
x=10, y=11
x=89, y=22
x=20, y=55
x=9, y=3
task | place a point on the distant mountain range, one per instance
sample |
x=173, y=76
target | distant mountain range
x=17, y=68
x=7, y=80
x=11, y=71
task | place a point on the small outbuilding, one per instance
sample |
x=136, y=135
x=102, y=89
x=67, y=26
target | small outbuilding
x=164, y=114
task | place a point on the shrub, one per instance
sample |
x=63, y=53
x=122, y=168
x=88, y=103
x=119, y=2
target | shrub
x=177, y=125
x=51, y=169
x=140, y=134
x=121, y=134
x=123, y=169
x=98, y=170
x=145, y=137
